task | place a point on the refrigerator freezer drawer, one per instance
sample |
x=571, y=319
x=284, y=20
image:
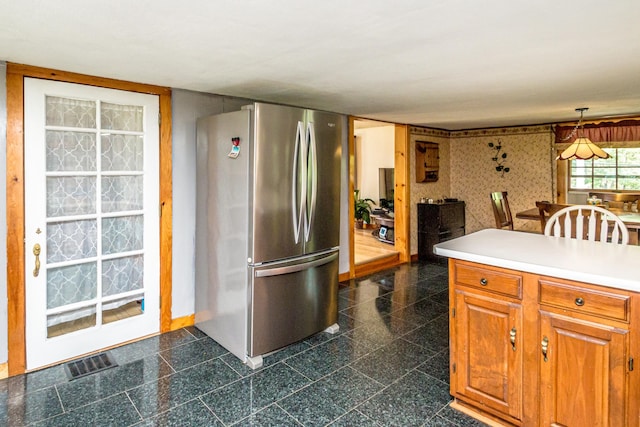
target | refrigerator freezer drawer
x=292, y=302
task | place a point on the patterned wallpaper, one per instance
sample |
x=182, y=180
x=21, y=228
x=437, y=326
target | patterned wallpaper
x=435, y=190
x=468, y=173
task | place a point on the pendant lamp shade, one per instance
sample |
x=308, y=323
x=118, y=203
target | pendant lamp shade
x=583, y=149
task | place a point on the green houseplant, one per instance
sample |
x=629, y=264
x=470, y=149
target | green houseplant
x=362, y=209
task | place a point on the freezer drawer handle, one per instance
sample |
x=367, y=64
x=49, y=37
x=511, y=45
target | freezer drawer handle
x=295, y=268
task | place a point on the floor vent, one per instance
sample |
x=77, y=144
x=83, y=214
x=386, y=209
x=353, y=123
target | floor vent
x=89, y=365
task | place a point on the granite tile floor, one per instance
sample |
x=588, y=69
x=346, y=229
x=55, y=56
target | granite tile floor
x=387, y=366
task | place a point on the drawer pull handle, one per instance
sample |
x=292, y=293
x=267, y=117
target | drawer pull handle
x=545, y=347
x=484, y=281
x=579, y=302
x=512, y=338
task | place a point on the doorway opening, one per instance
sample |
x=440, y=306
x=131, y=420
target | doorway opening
x=377, y=241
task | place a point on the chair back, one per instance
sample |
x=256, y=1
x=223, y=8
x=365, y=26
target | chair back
x=501, y=210
x=587, y=223
x=547, y=209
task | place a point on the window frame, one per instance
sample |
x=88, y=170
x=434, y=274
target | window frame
x=594, y=177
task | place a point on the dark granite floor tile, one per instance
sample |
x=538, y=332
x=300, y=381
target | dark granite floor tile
x=458, y=418
x=428, y=270
x=438, y=421
x=173, y=390
x=354, y=418
x=437, y=366
x=392, y=361
x=388, y=279
x=240, y=367
x=411, y=401
x=328, y=357
x=441, y=297
x=197, y=333
x=23, y=409
x=192, y=353
x=271, y=416
x=382, y=331
x=434, y=284
x=32, y=381
x=113, y=411
x=192, y=413
x=251, y=394
x=144, y=348
x=344, y=302
x=421, y=312
x=329, y=398
x=361, y=292
x=103, y=384
x=401, y=298
x=370, y=310
x=433, y=335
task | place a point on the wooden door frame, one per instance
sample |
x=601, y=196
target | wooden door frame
x=16, y=196
x=401, y=198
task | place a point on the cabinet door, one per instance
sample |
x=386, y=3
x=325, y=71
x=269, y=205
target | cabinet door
x=583, y=379
x=487, y=352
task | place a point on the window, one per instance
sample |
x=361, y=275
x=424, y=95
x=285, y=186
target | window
x=621, y=171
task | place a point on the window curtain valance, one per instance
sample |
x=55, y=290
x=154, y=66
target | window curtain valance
x=625, y=130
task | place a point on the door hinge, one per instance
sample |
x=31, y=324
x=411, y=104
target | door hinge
x=453, y=368
x=453, y=312
x=631, y=364
x=159, y=119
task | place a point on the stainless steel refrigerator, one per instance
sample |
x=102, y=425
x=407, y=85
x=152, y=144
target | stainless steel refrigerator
x=267, y=227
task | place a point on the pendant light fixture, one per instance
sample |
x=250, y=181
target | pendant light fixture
x=582, y=148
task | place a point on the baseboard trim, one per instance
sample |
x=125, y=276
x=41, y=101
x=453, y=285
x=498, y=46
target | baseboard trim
x=4, y=370
x=181, y=322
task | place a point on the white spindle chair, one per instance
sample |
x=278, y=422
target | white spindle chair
x=600, y=224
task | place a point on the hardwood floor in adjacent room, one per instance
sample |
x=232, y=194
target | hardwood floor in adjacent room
x=368, y=248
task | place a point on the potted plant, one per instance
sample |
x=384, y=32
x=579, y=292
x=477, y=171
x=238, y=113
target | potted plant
x=362, y=210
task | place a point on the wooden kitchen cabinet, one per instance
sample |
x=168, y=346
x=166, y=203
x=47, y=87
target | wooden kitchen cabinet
x=535, y=350
x=584, y=355
x=486, y=328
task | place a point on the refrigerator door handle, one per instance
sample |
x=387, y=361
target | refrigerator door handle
x=297, y=267
x=298, y=207
x=312, y=161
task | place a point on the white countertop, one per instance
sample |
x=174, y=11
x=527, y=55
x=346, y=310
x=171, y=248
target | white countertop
x=616, y=266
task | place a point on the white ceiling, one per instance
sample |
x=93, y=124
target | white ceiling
x=451, y=64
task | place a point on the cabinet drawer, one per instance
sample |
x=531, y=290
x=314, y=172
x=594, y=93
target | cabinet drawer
x=583, y=300
x=489, y=280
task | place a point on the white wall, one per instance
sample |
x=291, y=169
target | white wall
x=3, y=214
x=187, y=107
x=375, y=148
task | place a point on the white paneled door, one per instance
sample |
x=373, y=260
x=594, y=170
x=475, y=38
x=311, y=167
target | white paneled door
x=91, y=218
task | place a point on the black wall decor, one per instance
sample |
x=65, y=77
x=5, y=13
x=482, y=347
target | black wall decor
x=499, y=157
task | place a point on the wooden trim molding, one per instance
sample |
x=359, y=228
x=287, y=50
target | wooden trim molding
x=4, y=370
x=181, y=322
x=15, y=196
x=402, y=203
x=352, y=179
